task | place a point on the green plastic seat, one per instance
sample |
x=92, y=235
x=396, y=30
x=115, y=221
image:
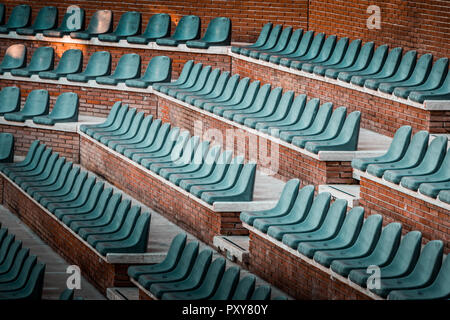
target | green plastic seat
x=441, y=93
x=188, y=28
x=388, y=68
x=280, y=113
x=431, y=162
x=267, y=107
x=291, y=224
x=232, y=89
x=159, y=69
x=227, y=285
x=283, y=206
x=346, y=140
x=206, y=288
x=37, y=104
x=46, y=19
x=2, y=14
x=312, y=53
x=10, y=268
x=444, y=196
x=298, y=212
x=335, y=56
x=227, y=182
x=218, y=88
x=396, y=150
x=361, y=62
x=43, y=174
x=193, y=279
x=64, y=110
x=237, y=97
x=402, y=263
x=14, y=276
x=42, y=60
x=125, y=115
x=71, y=62
x=31, y=161
x=375, y=65
x=6, y=147
x=317, y=126
x=245, y=97
x=262, y=38
x=282, y=49
x=134, y=132
x=281, y=43
x=207, y=89
x=271, y=41
x=135, y=242
x=55, y=180
x=433, y=81
x=9, y=100
x=362, y=247
x=328, y=229
x=129, y=25
x=17, y=176
x=148, y=138
x=61, y=187
x=382, y=254
x=301, y=49
x=348, y=60
x=181, y=79
x=116, y=123
x=99, y=65
x=211, y=175
x=218, y=33
x=19, y=18
x=8, y=288
x=300, y=118
x=241, y=191
x=48, y=177
x=68, y=192
x=345, y=238
x=323, y=55
x=401, y=73
x=180, y=272
x=128, y=67
x=331, y=131
x=198, y=85
x=108, y=122
x=439, y=289
x=442, y=174
x=101, y=22
x=131, y=121
x=190, y=81
x=102, y=215
x=261, y=293
x=433, y=189
x=68, y=23
x=162, y=140
x=31, y=288
x=75, y=198
x=158, y=27
x=15, y=57
x=170, y=261
x=412, y=157
x=417, y=77
x=192, y=165
x=244, y=288
x=423, y=274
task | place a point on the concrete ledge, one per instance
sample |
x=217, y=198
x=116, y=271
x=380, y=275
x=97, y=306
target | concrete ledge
x=343, y=191
x=232, y=250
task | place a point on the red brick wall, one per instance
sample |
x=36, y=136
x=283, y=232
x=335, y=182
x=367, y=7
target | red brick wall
x=378, y=114
x=67, y=144
x=412, y=213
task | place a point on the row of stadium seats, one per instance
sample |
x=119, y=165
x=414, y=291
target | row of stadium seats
x=294, y=120
x=414, y=163
x=185, y=161
x=380, y=69
x=218, y=32
x=128, y=69
x=108, y=223
x=186, y=274
x=325, y=232
x=37, y=105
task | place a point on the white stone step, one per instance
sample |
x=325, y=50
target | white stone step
x=122, y=293
x=234, y=247
x=343, y=191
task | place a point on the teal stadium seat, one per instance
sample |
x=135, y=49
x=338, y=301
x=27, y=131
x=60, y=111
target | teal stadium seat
x=64, y=110
x=301, y=49
x=262, y=38
x=42, y=60
x=361, y=62
x=37, y=104
x=181, y=79
x=70, y=23
x=70, y=62
x=99, y=65
x=158, y=27
x=336, y=56
x=312, y=53
x=188, y=28
x=9, y=100
x=441, y=93
x=159, y=69
x=128, y=67
x=129, y=25
x=19, y=18
x=218, y=33
x=6, y=147
x=101, y=22
x=15, y=57
x=271, y=41
x=284, y=49
x=46, y=19
x=348, y=60
x=280, y=44
x=323, y=55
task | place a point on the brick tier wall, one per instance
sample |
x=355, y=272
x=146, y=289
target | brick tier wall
x=164, y=198
x=284, y=162
x=413, y=213
x=295, y=276
x=377, y=114
x=67, y=144
x=179, y=58
x=100, y=273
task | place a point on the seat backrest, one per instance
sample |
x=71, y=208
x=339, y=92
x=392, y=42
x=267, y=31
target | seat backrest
x=158, y=26
x=335, y=216
x=66, y=105
x=213, y=276
x=370, y=233
x=288, y=196
x=309, y=113
x=365, y=55
x=400, y=142
x=302, y=204
x=37, y=103
x=187, y=258
x=262, y=293
x=218, y=30
x=297, y=108
x=438, y=72
x=101, y=22
x=392, y=62
x=322, y=117
x=129, y=24
x=42, y=59
x=70, y=23
x=175, y=250
x=188, y=28
x=263, y=35
x=318, y=209
x=6, y=146
x=35, y=283
x=20, y=17
x=283, y=39
x=417, y=148
x=46, y=19
x=389, y=241
x=378, y=58
x=9, y=99
x=352, y=53
x=429, y=261
x=245, y=288
x=327, y=48
x=99, y=64
x=339, y=51
x=316, y=45
x=227, y=285
x=185, y=72
x=435, y=153
x=294, y=41
x=159, y=69
x=336, y=121
x=15, y=57
x=305, y=43
x=349, y=133
x=129, y=66
x=71, y=62
x=422, y=68
x=352, y=225
x=273, y=37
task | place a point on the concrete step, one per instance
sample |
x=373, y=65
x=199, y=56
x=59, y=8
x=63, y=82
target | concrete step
x=235, y=248
x=343, y=191
x=122, y=293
